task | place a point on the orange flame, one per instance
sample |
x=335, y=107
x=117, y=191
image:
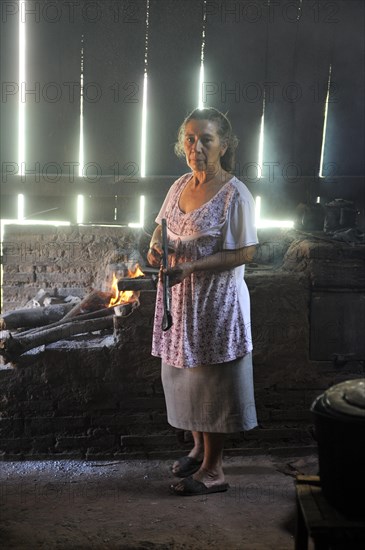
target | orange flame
x=136, y=272
x=122, y=297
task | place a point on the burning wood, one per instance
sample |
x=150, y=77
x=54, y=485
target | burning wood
x=125, y=295
x=13, y=346
x=137, y=283
x=95, y=312
x=92, y=302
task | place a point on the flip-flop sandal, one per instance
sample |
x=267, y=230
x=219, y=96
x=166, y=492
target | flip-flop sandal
x=193, y=487
x=187, y=466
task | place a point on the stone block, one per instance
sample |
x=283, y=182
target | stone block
x=104, y=442
x=55, y=425
x=43, y=444
x=5, y=426
x=275, y=434
x=297, y=414
x=116, y=423
x=16, y=445
x=11, y=427
x=24, y=278
x=72, y=443
x=35, y=406
x=70, y=406
x=148, y=442
x=137, y=404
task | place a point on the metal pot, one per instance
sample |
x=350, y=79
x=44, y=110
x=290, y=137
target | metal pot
x=313, y=217
x=340, y=214
x=340, y=429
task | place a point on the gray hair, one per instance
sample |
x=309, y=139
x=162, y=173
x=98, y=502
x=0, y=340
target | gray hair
x=224, y=130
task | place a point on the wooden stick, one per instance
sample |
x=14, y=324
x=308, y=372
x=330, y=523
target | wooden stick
x=14, y=346
x=93, y=301
x=104, y=312
x=33, y=317
x=137, y=283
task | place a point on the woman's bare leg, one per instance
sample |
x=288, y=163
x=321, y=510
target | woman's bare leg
x=196, y=452
x=211, y=470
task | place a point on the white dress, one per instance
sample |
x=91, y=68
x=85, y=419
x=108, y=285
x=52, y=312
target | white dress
x=206, y=355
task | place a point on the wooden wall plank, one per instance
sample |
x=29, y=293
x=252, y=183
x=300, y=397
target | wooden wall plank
x=345, y=139
x=173, y=79
x=249, y=47
x=279, y=107
x=9, y=88
x=316, y=31
x=53, y=74
x=40, y=207
x=113, y=79
x=235, y=73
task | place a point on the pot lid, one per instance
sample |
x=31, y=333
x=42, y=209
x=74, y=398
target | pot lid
x=340, y=203
x=347, y=397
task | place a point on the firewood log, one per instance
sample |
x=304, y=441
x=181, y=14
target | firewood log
x=104, y=312
x=33, y=317
x=92, y=302
x=137, y=283
x=15, y=345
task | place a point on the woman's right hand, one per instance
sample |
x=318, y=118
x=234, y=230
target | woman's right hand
x=179, y=272
x=154, y=254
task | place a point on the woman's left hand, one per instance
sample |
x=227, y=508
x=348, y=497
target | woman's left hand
x=179, y=272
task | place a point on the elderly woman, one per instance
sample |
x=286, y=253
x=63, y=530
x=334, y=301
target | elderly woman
x=206, y=354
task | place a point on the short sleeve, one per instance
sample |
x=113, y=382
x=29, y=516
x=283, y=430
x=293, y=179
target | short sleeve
x=239, y=229
x=166, y=202
x=162, y=212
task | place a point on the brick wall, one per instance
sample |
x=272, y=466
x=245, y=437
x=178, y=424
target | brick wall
x=107, y=401
x=70, y=259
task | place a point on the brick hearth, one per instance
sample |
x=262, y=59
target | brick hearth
x=97, y=399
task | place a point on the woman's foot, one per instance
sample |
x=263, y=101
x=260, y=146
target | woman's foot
x=188, y=465
x=210, y=477
x=202, y=482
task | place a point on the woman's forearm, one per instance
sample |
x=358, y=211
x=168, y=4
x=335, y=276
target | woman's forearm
x=226, y=259
x=221, y=261
x=156, y=237
x=155, y=250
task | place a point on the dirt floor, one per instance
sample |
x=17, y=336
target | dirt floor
x=127, y=505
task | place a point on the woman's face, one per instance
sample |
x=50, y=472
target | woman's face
x=202, y=145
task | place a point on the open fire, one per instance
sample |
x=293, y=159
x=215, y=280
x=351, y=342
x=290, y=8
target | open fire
x=126, y=296
x=96, y=312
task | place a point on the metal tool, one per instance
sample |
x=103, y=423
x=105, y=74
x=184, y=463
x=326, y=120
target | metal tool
x=167, y=319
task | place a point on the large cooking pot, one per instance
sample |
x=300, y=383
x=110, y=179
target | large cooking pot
x=340, y=430
x=340, y=214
